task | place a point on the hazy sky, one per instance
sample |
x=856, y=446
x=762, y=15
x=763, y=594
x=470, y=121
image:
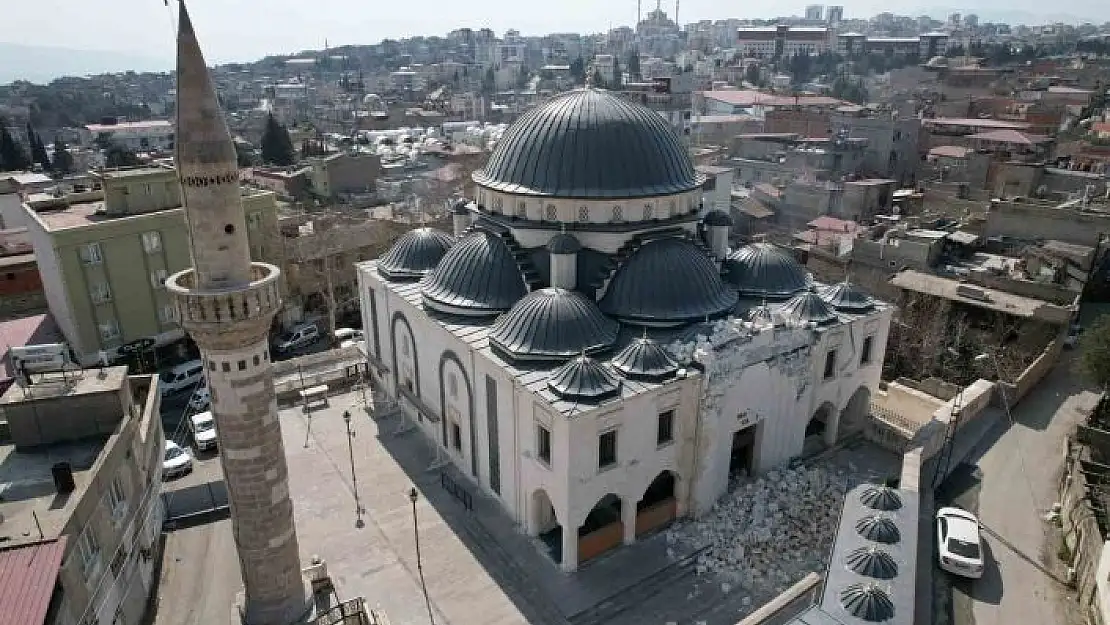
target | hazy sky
x=238, y=30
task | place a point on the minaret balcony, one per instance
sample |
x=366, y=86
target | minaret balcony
x=203, y=308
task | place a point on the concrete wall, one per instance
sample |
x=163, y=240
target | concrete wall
x=1030, y=221
x=1090, y=553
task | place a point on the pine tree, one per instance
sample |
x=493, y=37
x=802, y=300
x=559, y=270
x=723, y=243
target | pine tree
x=119, y=156
x=38, y=152
x=12, y=156
x=63, y=160
x=277, y=146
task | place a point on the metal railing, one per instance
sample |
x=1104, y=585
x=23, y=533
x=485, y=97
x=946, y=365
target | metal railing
x=458, y=491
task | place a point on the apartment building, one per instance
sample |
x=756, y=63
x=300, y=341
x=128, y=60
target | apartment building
x=80, y=465
x=782, y=41
x=104, y=255
x=136, y=136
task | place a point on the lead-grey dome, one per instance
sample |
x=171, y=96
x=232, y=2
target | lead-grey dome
x=871, y=561
x=867, y=602
x=590, y=144
x=553, y=323
x=644, y=358
x=477, y=276
x=882, y=498
x=765, y=270
x=879, y=528
x=637, y=294
x=584, y=378
x=808, y=307
x=847, y=297
x=563, y=243
x=415, y=254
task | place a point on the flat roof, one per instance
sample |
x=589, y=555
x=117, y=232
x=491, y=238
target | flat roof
x=83, y=214
x=25, y=178
x=28, y=498
x=33, y=330
x=133, y=172
x=974, y=123
x=153, y=123
x=996, y=300
x=15, y=260
x=28, y=575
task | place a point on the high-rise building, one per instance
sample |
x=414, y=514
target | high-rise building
x=226, y=303
x=835, y=15
x=813, y=12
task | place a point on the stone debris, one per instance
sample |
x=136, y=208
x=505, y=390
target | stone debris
x=768, y=532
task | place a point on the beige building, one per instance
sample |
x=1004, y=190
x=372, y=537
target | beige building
x=104, y=255
x=345, y=174
x=80, y=480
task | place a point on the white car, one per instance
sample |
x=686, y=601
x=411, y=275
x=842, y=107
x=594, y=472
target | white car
x=200, y=399
x=203, y=427
x=177, y=461
x=344, y=335
x=959, y=543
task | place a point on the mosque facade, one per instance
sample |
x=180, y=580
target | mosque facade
x=588, y=349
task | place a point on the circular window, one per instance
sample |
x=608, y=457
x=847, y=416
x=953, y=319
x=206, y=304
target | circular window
x=229, y=229
x=583, y=213
x=551, y=213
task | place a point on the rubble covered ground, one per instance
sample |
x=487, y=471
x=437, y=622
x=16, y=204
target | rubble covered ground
x=770, y=531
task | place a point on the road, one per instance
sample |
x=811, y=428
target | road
x=1011, y=486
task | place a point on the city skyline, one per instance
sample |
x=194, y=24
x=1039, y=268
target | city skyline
x=237, y=36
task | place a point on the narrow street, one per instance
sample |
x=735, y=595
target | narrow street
x=1011, y=486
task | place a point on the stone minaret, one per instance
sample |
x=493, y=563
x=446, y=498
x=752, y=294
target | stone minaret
x=226, y=303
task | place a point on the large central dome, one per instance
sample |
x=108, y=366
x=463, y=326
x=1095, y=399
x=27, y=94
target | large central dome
x=590, y=144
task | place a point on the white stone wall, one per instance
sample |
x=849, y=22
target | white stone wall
x=588, y=211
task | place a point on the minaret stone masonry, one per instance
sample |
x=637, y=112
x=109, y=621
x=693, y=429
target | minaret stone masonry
x=226, y=304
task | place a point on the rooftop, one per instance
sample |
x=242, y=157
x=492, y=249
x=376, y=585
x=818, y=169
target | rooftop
x=150, y=124
x=27, y=578
x=974, y=123
x=750, y=97
x=981, y=297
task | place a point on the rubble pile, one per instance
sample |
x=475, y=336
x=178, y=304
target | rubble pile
x=769, y=532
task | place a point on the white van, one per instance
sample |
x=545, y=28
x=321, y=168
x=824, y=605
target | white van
x=182, y=377
x=203, y=427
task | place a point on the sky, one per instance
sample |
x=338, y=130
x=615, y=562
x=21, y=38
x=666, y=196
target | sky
x=245, y=30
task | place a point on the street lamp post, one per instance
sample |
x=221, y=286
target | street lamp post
x=419, y=564
x=354, y=478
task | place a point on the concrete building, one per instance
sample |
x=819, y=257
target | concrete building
x=814, y=12
x=834, y=15
x=590, y=351
x=135, y=136
x=226, y=303
x=104, y=255
x=345, y=173
x=81, y=470
x=892, y=141
x=773, y=42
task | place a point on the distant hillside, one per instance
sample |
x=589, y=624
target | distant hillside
x=41, y=64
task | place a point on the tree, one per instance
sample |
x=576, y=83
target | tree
x=598, y=81
x=489, y=82
x=63, y=160
x=618, y=75
x=119, y=156
x=244, y=155
x=12, y=156
x=38, y=150
x=277, y=147
x=751, y=74
x=1094, y=352
x=634, y=65
x=578, y=70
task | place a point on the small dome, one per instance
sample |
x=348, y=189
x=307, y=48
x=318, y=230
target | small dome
x=879, y=528
x=867, y=602
x=590, y=144
x=553, y=324
x=808, y=307
x=882, y=498
x=563, y=243
x=636, y=294
x=415, y=254
x=872, y=562
x=477, y=276
x=584, y=378
x=845, y=296
x=765, y=270
x=717, y=218
x=644, y=358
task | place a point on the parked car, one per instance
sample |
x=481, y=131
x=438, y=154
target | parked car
x=203, y=427
x=298, y=337
x=959, y=543
x=200, y=400
x=176, y=461
x=348, y=336
x=182, y=377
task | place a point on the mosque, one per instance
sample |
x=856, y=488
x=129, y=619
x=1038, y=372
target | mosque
x=586, y=346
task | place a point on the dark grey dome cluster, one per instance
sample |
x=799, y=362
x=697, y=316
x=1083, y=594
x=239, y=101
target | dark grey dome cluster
x=879, y=528
x=882, y=498
x=584, y=378
x=644, y=358
x=867, y=602
x=764, y=270
x=847, y=297
x=636, y=294
x=478, y=276
x=808, y=307
x=552, y=324
x=872, y=561
x=415, y=254
x=590, y=144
